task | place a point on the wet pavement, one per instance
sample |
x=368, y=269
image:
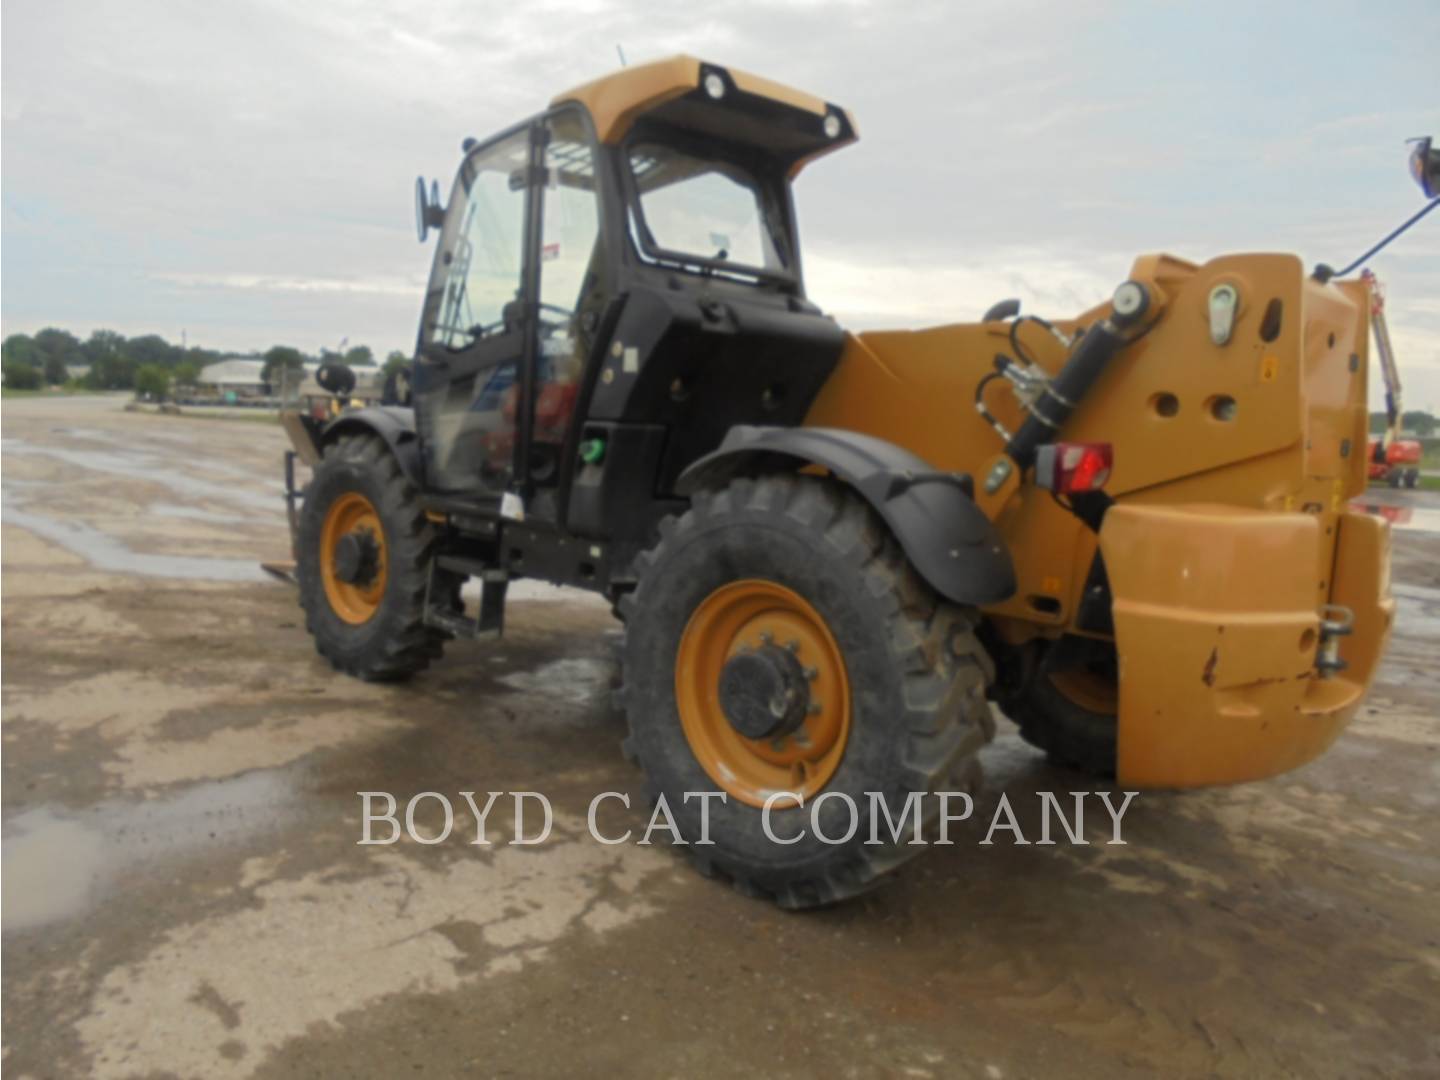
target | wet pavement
x=184, y=895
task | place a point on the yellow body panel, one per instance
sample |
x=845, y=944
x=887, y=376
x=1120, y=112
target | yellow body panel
x=615, y=100
x=1249, y=507
x=1216, y=628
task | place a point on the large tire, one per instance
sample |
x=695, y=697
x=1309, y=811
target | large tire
x=377, y=633
x=913, y=670
x=1074, y=729
x=1081, y=738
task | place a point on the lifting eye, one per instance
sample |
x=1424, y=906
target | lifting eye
x=1224, y=302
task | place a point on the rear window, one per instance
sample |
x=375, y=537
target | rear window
x=702, y=211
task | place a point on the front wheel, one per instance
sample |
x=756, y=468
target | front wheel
x=363, y=563
x=778, y=641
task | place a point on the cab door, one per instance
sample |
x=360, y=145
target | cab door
x=477, y=328
x=574, y=285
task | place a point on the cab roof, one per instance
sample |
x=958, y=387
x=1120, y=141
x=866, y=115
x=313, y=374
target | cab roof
x=681, y=92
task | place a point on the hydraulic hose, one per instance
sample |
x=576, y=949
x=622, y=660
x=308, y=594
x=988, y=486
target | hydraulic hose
x=1088, y=360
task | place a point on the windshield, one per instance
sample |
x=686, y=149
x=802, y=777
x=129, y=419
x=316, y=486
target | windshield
x=477, y=278
x=703, y=211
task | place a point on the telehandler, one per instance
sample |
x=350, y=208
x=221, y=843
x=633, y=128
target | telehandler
x=831, y=552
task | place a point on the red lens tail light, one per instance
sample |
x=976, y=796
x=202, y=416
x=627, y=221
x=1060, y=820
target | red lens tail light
x=1073, y=468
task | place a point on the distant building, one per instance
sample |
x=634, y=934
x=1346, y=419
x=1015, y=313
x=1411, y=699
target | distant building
x=369, y=381
x=237, y=376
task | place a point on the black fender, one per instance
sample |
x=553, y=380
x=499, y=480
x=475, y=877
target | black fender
x=393, y=423
x=946, y=537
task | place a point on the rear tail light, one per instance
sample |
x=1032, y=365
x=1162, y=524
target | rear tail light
x=1072, y=468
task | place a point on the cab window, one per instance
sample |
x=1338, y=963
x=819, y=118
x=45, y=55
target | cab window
x=477, y=272
x=703, y=210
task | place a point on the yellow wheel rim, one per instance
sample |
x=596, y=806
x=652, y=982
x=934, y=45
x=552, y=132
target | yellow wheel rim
x=355, y=603
x=744, y=616
x=1088, y=690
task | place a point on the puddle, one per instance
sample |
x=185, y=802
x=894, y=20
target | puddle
x=578, y=681
x=57, y=864
x=108, y=554
x=50, y=867
x=1417, y=611
x=544, y=592
x=155, y=470
x=191, y=513
x=1417, y=518
x=89, y=434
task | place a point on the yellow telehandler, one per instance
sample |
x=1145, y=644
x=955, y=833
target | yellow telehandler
x=831, y=551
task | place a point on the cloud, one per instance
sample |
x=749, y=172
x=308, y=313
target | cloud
x=406, y=287
x=871, y=295
x=245, y=169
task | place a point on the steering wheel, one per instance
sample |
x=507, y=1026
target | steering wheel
x=484, y=330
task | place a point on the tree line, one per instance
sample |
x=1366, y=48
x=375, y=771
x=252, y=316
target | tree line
x=148, y=364
x=1413, y=420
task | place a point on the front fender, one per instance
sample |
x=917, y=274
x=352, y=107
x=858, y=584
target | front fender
x=946, y=537
x=393, y=423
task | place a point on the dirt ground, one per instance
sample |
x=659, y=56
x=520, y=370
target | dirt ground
x=184, y=895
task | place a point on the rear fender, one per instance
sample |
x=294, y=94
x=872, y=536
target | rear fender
x=946, y=537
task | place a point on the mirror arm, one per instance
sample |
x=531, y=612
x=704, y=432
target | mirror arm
x=1324, y=273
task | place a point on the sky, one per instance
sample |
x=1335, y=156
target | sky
x=243, y=172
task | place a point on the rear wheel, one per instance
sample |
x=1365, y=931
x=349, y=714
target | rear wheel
x=778, y=641
x=363, y=564
x=1412, y=478
x=1071, y=712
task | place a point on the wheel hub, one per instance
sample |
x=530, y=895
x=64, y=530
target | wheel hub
x=762, y=691
x=357, y=557
x=764, y=694
x=353, y=561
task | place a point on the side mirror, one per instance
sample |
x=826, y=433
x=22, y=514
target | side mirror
x=429, y=214
x=1425, y=166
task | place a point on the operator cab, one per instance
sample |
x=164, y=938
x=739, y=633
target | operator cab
x=602, y=269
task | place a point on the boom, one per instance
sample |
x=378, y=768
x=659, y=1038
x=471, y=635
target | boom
x=1394, y=411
